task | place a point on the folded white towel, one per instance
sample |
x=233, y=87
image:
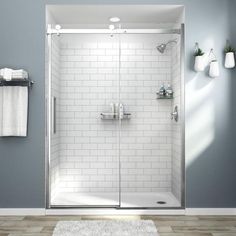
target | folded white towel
x=9, y=74
x=13, y=110
x=19, y=76
x=6, y=73
x=19, y=71
x=13, y=73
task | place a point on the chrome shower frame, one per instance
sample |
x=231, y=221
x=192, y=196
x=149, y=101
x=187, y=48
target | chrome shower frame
x=48, y=125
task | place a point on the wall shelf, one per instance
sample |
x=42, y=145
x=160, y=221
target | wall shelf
x=164, y=97
x=114, y=116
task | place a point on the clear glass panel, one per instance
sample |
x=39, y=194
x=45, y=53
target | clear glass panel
x=84, y=164
x=53, y=104
x=104, y=159
x=150, y=165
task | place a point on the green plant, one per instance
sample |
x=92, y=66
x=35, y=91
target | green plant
x=228, y=48
x=198, y=52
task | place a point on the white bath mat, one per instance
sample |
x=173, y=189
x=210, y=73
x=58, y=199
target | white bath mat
x=106, y=228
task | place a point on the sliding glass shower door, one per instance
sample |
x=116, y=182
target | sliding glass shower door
x=150, y=143
x=85, y=135
x=112, y=140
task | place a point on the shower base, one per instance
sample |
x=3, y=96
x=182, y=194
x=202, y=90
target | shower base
x=128, y=200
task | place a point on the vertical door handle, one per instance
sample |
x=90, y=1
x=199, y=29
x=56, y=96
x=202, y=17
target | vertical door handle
x=54, y=115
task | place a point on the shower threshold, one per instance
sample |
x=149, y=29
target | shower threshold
x=128, y=200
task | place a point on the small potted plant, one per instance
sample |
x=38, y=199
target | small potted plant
x=229, y=57
x=199, y=64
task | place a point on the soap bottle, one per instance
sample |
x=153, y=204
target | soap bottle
x=112, y=105
x=162, y=91
x=117, y=107
x=121, y=111
x=169, y=91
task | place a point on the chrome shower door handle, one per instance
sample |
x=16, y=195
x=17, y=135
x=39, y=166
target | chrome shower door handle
x=54, y=113
x=175, y=114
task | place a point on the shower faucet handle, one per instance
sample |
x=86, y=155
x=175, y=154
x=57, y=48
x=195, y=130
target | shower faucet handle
x=175, y=114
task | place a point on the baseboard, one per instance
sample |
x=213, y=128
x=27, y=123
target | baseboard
x=187, y=211
x=112, y=212
x=22, y=211
x=210, y=211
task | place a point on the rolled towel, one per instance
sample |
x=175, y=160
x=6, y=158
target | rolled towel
x=19, y=71
x=6, y=73
x=1, y=73
x=19, y=74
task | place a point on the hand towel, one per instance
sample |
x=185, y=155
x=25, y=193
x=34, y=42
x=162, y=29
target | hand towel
x=14, y=110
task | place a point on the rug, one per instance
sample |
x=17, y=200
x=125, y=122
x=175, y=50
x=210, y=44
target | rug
x=106, y=228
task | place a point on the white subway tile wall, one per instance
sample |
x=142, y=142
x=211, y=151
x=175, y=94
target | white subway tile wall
x=90, y=147
x=145, y=139
x=89, y=160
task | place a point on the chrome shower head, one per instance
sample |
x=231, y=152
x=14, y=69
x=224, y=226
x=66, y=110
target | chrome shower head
x=162, y=47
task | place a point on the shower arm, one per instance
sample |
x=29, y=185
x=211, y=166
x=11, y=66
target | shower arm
x=172, y=41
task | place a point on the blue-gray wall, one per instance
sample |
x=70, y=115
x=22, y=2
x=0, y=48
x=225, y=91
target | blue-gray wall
x=210, y=110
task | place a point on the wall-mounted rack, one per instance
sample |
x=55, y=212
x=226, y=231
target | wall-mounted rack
x=114, y=116
x=160, y=96
x=17, y=82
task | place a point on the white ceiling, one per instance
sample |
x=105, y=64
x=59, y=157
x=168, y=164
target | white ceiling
x=131, y=14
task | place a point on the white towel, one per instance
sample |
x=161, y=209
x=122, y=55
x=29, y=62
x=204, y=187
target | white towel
x=19, y=71
x=19, y=74
x=6, y=73
x=13, y=110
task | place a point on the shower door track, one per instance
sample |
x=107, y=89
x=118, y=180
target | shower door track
x=117, y=31
x=112, y=207
x=51, y=32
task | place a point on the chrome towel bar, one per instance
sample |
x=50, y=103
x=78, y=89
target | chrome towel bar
x=16, y=82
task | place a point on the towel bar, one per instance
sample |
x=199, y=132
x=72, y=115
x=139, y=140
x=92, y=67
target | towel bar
x=16, y=82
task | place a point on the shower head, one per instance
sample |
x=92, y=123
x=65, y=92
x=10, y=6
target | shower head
x=162, y=47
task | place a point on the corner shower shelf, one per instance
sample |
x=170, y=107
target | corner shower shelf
x=17, y=82
x=112, y=116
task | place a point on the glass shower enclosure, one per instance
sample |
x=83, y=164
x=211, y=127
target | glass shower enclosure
x=112, y=139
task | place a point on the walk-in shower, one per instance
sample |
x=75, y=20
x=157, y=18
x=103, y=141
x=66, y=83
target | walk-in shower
x=110, y=140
